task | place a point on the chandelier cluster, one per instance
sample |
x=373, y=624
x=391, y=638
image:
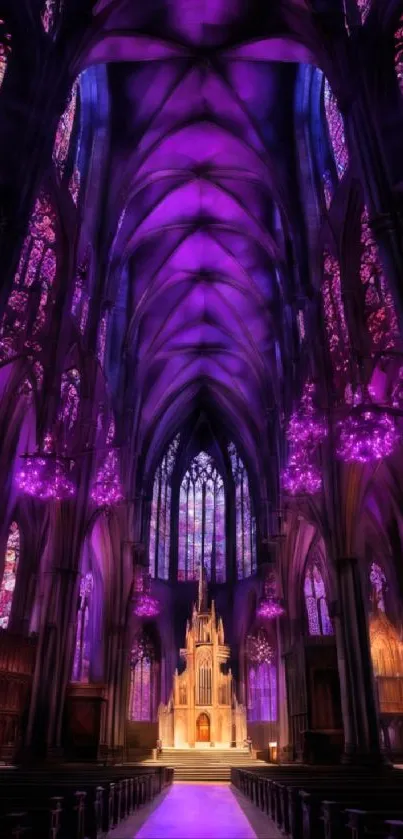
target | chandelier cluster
x=367, y=433
x=258, y=649
x=46, y=474
x=306, y=430
x=145, y=605
x=270, y=606
x=107, y=490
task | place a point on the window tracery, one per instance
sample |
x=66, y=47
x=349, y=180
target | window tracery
x=245, y=520
x=379, y=306
x=316, y=605
x=160, y=522
x=70, y=398
x=336, y=131
x=141, y=677
x=32, y=293
x=8, y=581
x=202, y=521
x=378, y=583
x=82, y=650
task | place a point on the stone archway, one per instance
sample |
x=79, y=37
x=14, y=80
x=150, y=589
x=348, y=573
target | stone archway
x=203, y=728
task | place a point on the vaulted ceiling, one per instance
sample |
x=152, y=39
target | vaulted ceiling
x=201, y=200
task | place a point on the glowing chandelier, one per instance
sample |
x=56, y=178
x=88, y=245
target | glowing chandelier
x=366, y=434
x=46, y=474
x=270, y=606
x=306, y=430
x=258, y=649
x=145, y=604
x=107, y=490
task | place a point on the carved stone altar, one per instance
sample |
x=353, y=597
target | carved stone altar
x=202, y=710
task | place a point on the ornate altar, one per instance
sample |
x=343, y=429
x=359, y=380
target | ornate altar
x=202, y=710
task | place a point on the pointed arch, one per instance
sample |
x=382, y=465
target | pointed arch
x=202, y=537
x=245, y=524
x=316, y=605
x=160, y=522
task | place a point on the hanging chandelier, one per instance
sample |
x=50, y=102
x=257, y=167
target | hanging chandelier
x=306, y=425
x=46, y=474
x=145, y=604
x=306, y=430
x=270, y=606
x=366, y=434
x=258, y=649
x=302, y=476
x=107, y=490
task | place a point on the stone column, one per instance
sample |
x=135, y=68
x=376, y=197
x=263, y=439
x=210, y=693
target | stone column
x=282, y=704
x=361, y=728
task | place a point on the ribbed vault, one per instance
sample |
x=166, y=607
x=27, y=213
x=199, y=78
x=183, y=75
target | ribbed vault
x=200, y=172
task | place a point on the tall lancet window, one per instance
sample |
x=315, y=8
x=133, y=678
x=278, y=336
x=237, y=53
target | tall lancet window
x=202, y=521
x=7, y=586
x=82, y=650
x=335, y=126
x=141, y=679
x=262, y=678
x=245, y=523
x=317, y=611
x=377, y=580
x=160, y=522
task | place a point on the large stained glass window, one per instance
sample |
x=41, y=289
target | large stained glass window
x=82, y=651
x=202, y=521
x=245, y=522
x=7, y=586
x=380, y=311
x=160, y=522
x=141, y=678
x=319, y=622
x=377, y=579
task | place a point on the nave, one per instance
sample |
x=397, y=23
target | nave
x=198, y=811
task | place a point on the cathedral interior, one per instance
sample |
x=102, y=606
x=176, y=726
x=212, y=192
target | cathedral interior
x=201, y=419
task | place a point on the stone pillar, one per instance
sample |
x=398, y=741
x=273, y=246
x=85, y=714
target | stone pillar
x=360, y=720
x=282, y=704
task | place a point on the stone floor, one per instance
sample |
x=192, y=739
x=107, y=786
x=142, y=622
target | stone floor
x=198, y=811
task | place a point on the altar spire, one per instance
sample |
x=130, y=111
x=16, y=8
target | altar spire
x=202, y=604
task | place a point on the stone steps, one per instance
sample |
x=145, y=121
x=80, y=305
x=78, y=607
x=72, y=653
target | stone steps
x=204, y=764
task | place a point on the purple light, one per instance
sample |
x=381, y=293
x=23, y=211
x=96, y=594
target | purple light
x=107, y=489
x=306, y=426
x=270, y=608
x=367, y=436
x=45, y=474
x=145, y=605
x=258, y=649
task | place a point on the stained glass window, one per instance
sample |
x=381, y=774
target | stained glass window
x=160, y=522
x=82, y=650
x=141, y=677
x=202, y=521
x=262, y=693
x=7, y=586
x=336, y=130
x=32, y=293
x=5, y=45
x=50, y=11
x=70, y=398
x=245, y=523
x=64, y=131
x=319, y=622
x=335, y=319
x=399, y=54
x=377, y=579
x=379, y=306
